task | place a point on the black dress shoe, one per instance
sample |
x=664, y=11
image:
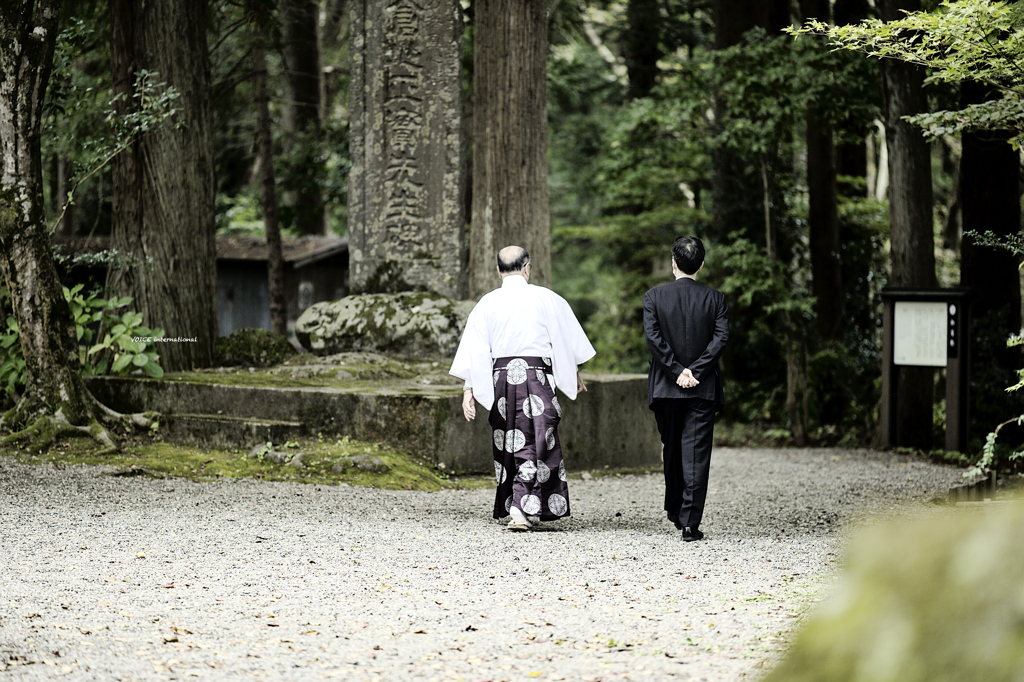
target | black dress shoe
x=691, y=534
x=675, y=520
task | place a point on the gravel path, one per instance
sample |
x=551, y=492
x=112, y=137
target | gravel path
x=105, y=577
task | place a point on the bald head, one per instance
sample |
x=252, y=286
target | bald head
x=512, y=259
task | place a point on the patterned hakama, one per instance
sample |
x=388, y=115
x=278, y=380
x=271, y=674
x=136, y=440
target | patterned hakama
x=528, y=463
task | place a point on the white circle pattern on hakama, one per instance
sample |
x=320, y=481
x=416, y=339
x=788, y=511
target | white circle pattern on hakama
x=508, y=503
x=516, y=371
x=543, y=472
x=495, y=377
x=561, y=471
x=515, y=440
x=540, y=377
x=547, y=361
x=549, y=438
x=527, y=470
x=502, y=409
x=558, y=408
x=551, y=380
x=499, y=473
x=530, y=504
x=557, y=504
x=533, y=406
x=499, y=439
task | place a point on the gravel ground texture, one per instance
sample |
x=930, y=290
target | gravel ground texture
x=127, y=578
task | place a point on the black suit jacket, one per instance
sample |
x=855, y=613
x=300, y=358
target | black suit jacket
x=687, y=326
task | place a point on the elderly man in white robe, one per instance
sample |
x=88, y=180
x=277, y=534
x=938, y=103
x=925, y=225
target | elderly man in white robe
x=520, y=342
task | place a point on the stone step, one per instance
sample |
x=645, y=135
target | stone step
x=225, y=432
x=609, y=425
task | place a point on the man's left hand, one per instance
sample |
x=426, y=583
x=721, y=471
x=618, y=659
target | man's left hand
x=580, y=386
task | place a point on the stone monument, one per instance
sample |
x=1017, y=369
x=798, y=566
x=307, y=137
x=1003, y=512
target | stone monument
x=406, y=188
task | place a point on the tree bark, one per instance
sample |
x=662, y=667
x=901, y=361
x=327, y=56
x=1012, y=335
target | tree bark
x=510, y=146
x=989, y=195
x=46, y=329
x=910, y=220
x=642, y=46
x=826, y=264
x=303, y=115
x=275, y=261
x=163, y=186
x=851, y=153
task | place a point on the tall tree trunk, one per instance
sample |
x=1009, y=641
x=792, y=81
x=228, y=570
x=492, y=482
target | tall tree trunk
x=46, y=329
x=826, y=264
x=989, y=182
x=737, y=190
x=510, y=145
x=851, y=150
x=989, y=194
x=910, y=220
x=163, y=201
x=275, y=261
x=303, y=114
x=642, y=46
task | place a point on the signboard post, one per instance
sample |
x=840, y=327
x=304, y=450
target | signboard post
x=926, y=328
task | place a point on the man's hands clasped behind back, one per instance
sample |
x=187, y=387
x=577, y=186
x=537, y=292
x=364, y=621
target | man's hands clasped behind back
x=686, y=379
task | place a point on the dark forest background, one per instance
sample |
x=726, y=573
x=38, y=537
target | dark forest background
x=665, y=117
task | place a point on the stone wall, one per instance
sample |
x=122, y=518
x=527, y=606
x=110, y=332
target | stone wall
x=609, y=425
x=406, y=188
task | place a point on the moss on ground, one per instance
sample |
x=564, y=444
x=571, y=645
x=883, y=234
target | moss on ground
x=157, y=459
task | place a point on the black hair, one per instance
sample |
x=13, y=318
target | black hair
x=688, y=253
x=515, y=265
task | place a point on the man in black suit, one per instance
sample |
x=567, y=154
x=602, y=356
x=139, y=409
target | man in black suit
x=686, y=326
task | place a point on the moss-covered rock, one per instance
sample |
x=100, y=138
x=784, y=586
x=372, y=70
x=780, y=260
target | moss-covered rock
x=411, y=325
x=369, y=463
x=939, y=600
x=252, y=348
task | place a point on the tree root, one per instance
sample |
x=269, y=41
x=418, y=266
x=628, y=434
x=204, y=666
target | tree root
x=46, y=429
x=140, y=420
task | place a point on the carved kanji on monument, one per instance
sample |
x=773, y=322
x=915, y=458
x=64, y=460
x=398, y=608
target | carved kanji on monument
x=406, y=189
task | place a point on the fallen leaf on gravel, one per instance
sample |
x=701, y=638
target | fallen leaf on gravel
x=311, y=632
x=140, y=555
x=170, y=639
x=273, y=625
x=535, y=673
x=84, y=631
x=168, y=585
x=180, y=631
x=110, y=580
x=419, y=632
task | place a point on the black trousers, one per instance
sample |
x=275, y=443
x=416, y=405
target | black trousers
x=686, y=426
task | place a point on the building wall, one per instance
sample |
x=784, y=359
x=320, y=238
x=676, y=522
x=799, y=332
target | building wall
x=243, y=299
x=243, y=296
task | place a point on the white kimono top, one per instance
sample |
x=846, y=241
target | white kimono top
x=515, y=320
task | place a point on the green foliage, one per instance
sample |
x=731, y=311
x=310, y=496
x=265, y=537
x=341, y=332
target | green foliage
x=629, y=177
x=931, y=599
x=964, y=40
x=127, y=347
x=12, y=370
x=991, y=458
x=82, y=125
x=252, y=348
